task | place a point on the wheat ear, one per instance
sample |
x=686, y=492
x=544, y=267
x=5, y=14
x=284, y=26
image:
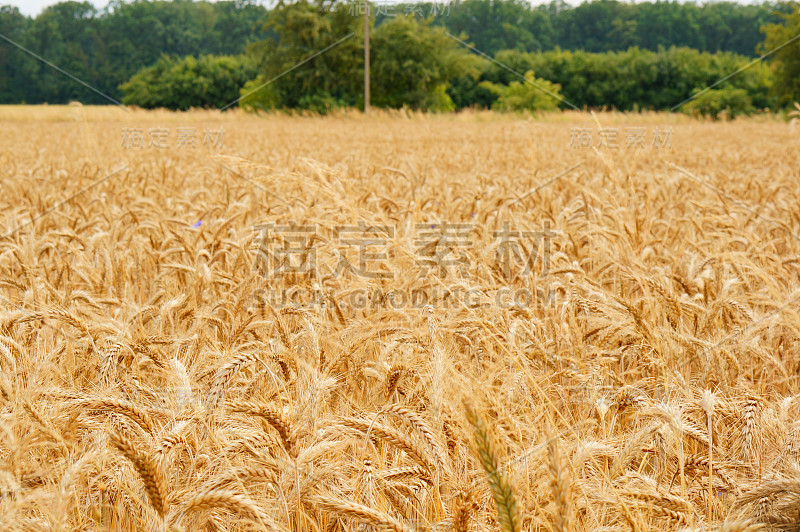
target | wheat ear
x=148, y=470
x=507, y=512
x=359, y=512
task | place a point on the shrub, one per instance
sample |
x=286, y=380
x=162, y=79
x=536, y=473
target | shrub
x=534, y=94
x=181, y=83
x=728, y=102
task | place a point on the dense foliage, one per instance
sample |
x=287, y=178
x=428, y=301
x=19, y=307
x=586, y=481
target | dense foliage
x=784, y=40
x=412, y=62
x=104, y=48
x=622, y=80
x=182, y=83
x=605, y=53
x=531, y=94
x=608, y=25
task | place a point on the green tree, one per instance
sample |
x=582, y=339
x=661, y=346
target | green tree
x=412, y=61
x=16, y=67
x=181, y=83
x=494, y=25
x=786, y=60
x=728, y=102
x=413, y=64
x=64, y=34
x=136, y=34
x=633, y=79
x=105, y=47
x=303, y=77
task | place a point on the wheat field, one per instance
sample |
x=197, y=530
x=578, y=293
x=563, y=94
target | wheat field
x=317, y=323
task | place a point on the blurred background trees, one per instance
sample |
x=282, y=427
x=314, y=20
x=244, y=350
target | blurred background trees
x=784, y=37
x=599, y=54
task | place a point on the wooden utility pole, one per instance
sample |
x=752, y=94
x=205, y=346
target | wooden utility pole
x=366, y=57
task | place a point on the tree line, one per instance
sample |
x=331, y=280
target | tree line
x=603, y=53
x=610, y=25
x=105, y=48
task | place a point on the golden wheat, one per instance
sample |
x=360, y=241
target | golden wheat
x=629, y=358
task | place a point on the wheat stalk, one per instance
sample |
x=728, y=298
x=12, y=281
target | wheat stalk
x=506, y=502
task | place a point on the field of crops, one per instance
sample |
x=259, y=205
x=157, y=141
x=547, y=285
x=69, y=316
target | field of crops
x=466, y=322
